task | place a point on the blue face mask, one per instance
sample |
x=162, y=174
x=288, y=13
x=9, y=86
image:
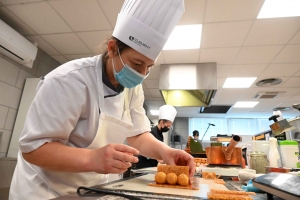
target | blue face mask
x=128, y=77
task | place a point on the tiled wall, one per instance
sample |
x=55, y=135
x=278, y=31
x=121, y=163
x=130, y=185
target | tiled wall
x=12, y=79
x=7, y=167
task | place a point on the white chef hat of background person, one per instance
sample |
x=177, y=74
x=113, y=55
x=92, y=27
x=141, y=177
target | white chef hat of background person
x=167, y=112
x=145, y=25
x=278, y=112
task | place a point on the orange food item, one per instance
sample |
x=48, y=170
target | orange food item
x=216, y=191
x=161, y=178
x=209, y=175
x=173, y=169
x=229, y=195
x=171, y=178
x=212, y=196
x=183, y=179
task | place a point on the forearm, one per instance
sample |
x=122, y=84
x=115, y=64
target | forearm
x=58, y=157
x=148, y=145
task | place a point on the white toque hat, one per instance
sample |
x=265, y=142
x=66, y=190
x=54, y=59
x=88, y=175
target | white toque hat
x=145, y=25
x=278, y=112
x=167, y=112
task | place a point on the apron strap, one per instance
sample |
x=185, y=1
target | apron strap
x=127, y=99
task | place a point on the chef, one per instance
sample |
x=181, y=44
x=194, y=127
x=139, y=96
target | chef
x=167, y=114
x=85, y=109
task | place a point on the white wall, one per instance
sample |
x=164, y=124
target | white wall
x=12, y=79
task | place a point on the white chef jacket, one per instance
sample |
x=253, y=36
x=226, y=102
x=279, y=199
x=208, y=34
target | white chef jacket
x=66, y=110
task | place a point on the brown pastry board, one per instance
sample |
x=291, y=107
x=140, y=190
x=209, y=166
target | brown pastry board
x=141, y=184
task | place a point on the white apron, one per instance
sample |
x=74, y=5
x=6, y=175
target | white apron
x=48, y=184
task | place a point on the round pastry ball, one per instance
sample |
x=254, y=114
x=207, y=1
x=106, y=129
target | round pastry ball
x=183, y=179
x=171, y=178
x=161, y=178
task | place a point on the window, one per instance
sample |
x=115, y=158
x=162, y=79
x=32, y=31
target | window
x=227, y=126
x=263, y=125
x=202, y=124
x=242, y=126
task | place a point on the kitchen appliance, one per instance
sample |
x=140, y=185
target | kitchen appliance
x=279, y=127
x=225, y=160
x=262, y=135
x=16, y=47
x=221, y=138
x=222, y=155
x=288, y=153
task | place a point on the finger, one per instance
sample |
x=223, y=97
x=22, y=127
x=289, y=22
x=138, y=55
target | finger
x=192, y=171
x=120, y=165
x=125, y=157
x=127, y=149
x=171, y=162
x=192, y=167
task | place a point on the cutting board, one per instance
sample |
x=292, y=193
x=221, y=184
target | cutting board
x=141, y=184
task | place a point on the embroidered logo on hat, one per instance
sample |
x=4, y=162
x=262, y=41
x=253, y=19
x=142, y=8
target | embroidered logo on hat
x=138, y=42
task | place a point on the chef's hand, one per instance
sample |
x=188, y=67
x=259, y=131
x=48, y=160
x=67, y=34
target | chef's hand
x=160, y=161
x=181, y=158
x=113, y=158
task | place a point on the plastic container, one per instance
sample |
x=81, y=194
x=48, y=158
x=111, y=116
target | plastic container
x=288, y=151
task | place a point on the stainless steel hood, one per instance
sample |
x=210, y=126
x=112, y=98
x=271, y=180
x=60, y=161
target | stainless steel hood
x=191, y=85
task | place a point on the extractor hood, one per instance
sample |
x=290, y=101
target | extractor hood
x=193, y=85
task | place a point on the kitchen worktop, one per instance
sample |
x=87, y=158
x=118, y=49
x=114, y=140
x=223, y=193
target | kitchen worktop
x=139, y=184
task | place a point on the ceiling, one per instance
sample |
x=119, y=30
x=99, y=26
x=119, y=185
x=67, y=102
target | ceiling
x=240, y=44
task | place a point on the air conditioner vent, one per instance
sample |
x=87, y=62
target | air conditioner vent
x=11, y=52
x=267, y=95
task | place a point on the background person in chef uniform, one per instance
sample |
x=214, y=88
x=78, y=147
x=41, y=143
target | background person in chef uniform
x=167, y=114
x=85, y=109
x=196, y=136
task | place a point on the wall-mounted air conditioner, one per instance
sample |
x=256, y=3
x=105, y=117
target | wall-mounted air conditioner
x=16, y=47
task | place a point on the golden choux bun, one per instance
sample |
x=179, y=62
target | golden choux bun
x=183, y=179
x=171, y=178
x=161, y=178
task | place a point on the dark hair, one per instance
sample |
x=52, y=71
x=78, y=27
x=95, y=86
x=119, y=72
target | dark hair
x=103, y=47
x=195, y=133
x=164, y=120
